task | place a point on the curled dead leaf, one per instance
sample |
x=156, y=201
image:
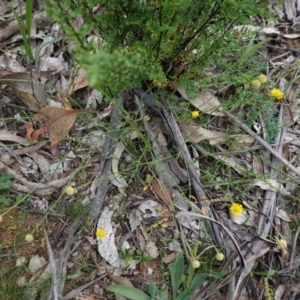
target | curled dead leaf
x=163, y=192
x=58, y=122
x=27, y=89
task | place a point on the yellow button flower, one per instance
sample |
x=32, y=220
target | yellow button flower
x=195, y=114
x=219, y=256
x=236, y=209
x=100, y=233
x=262, y=78
x=277, y=93
x=196, y=264
x=70, y=191
x=29, y=238
x=256, y=84
x=281, y=244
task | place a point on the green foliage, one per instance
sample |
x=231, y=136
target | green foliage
x=142, y=257
x=177, y=273
x=128, y=291
x=138, y=256
x=128, y=255
x=26, y=29
x=151, y=42
x=5, y=183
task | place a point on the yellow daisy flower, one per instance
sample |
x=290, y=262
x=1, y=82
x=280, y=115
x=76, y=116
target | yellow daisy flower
x=236, y=209
x=195, y=114
x=277, y=93
x=101, y=233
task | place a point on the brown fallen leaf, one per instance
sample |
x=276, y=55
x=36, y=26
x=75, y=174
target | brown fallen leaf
x=29, y=130
x=27, y=89
x=11, y=136
x=33, y=135
x=163, y=192
x=60, y=120
x=79, y=80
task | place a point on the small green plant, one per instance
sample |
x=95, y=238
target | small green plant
x=25, y=29
x=180, y=290
x=5, y=183
x=142, y=257
x=138, y=256
x=128, y=255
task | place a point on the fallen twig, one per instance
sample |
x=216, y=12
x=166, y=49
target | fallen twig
x=263, y=143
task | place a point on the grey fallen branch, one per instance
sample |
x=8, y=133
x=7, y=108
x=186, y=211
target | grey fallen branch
x=262, y=142
x=110, y=143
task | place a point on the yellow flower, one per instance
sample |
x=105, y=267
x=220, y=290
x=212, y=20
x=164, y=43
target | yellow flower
x=277, y=93
x=195, y=114
x=29, y=238
x=236, y=209
x=281, y=244
x=262, y=78
x=256, y=84
x=100, y=233
x=70, y=191
x=219, y=256
x=196, y=264
x=164, y=225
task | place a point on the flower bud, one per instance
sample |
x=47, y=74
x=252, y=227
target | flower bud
x=256, y=84
x=219, y=256
x=196, y=264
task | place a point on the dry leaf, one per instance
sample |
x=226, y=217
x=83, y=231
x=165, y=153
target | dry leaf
x=270, y=184
x=58, y=121
x=208, y=103
x=33, y=135
x=257, y=165
x=195, y=134
x=89, y=297
x=163, y=192
x=170, y=257
x=27, y=89
x=11, y=136
x=52, y=64
x=79, y=81
x=29, y=130
x=205, y=101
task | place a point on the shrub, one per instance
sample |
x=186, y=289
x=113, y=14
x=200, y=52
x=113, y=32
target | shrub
x=149, y=42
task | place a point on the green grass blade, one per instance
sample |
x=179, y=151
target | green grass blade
x=249, y=51
x=28, y=17
x=26, y=39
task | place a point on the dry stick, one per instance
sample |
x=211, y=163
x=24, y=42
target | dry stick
x=54, y=286
x=110, y=142
x=294, y=248
x=263, y=143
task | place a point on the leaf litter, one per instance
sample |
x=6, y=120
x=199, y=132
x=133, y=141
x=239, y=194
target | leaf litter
x=268, y=192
